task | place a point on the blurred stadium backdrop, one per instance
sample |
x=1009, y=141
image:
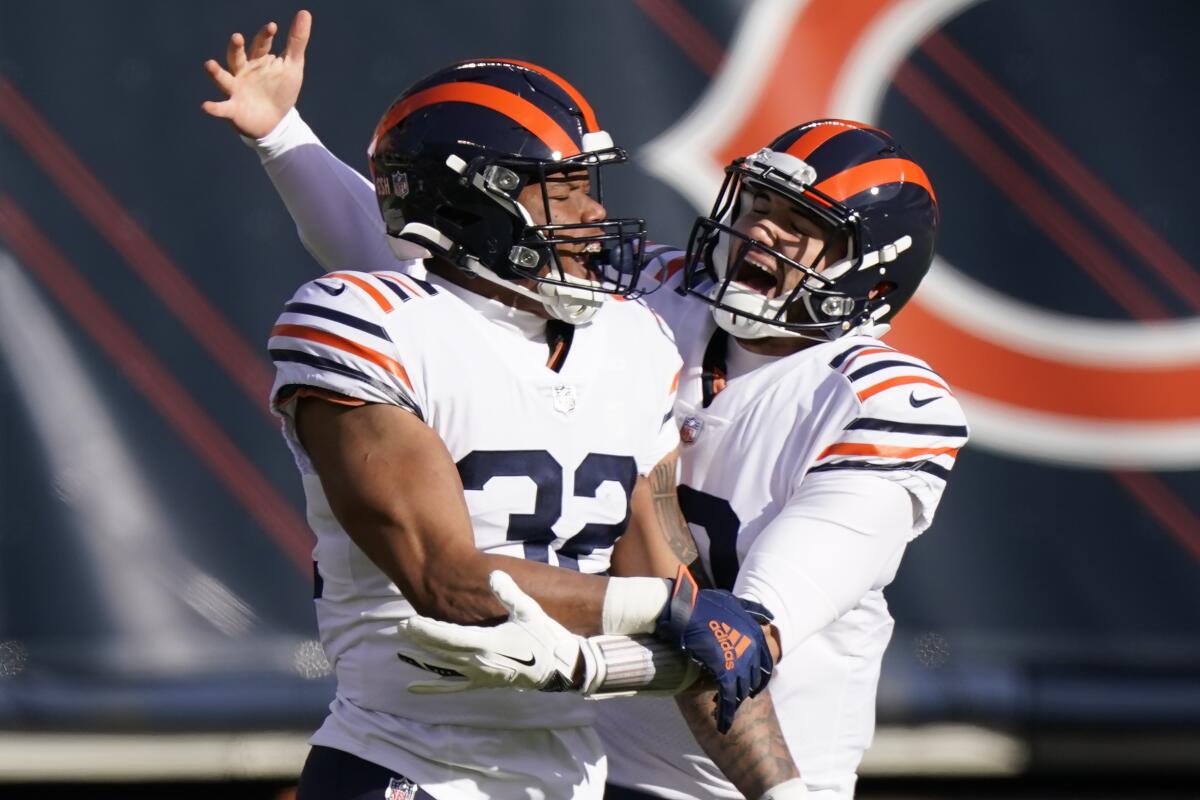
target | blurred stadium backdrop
x=155, y=622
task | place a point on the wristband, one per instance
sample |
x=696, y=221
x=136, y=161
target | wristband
x=788, y=790
x=288, y=134
x=633, y=605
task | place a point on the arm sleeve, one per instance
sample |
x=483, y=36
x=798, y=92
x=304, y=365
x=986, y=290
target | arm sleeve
x=333, y=206
x=838, y=537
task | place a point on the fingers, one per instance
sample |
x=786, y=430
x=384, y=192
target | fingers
x=235, y=53
x=263, y=40
x=757, y=611
x=298, y=34
x=518, y=604
x=219, y=76
x=726, y=708
x=223, y=109
x=444, y=638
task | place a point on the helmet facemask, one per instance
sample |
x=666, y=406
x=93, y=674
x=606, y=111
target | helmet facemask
x=611, y=251
x=757, y=291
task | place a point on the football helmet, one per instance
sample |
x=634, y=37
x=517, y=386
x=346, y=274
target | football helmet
x=877, y=214
x=452, y=154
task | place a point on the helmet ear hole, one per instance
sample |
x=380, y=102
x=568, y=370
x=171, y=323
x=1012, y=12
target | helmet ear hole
x=882, y=289
x=458, y=216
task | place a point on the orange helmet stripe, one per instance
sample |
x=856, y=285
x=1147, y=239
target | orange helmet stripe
x=589, y=116
x=521, y=111
x=850, y=182
x=818, y=135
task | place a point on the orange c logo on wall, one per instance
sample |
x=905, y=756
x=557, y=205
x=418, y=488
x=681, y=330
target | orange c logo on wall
x=1035, y=383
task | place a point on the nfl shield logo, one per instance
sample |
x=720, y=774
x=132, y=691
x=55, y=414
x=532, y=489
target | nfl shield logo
x=564, y=399
x=400, y=184
x=400, y=789
x=690, y=429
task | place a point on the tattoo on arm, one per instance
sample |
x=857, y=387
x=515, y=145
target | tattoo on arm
x=753, y=755
x=666, y=508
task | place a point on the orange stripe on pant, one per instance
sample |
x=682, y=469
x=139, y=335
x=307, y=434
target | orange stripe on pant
x=354, y=348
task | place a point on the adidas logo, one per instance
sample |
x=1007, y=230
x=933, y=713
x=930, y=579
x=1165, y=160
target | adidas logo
x=733, y=643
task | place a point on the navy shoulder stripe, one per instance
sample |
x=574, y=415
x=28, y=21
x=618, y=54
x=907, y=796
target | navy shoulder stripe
x=841, y=357
x=394, y=287
x=343, y=369
x=426, y=285
x=924, y=466
x=862, y=372
x=892, y=426
x=337, y=316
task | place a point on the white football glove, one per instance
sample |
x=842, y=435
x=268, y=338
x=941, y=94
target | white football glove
x=530, y=651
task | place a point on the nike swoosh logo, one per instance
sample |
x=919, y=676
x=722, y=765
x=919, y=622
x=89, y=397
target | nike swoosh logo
x=529, y=662
x=330, y=290
x=915, y=403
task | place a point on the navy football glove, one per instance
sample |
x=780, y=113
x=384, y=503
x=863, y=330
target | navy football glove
x=723, y=634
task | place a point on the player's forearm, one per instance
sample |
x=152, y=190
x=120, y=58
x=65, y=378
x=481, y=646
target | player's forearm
x=448, y=581
x=753, y=754
x=658, y=539
x=574, y=599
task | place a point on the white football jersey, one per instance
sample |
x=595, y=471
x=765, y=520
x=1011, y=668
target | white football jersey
x=548, y=461
x=836, y=422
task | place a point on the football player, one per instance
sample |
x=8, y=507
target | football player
x=480, y=411
x=813, y=452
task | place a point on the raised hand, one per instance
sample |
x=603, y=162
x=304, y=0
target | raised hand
x=723, y=634
x=261, y=87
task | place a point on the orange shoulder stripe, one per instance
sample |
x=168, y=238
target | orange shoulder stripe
x=885, y=451
x=871, y=391
x=375, y=294
x=353, y=348
x=869, y=351
x=406, y=282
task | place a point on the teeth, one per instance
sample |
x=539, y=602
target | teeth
x=592, y=247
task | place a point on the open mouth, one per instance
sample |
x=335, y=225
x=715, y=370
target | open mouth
x=755, y=276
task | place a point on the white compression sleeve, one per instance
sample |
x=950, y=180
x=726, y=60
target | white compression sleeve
x=839, y=536
x=333, y=206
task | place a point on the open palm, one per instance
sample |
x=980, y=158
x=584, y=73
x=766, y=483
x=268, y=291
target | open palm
x=261, y=87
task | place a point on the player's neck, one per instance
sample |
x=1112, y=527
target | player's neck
x=777, y=346
x=452, y=274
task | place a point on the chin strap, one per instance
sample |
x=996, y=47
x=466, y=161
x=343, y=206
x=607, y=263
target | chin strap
x=575, y=304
